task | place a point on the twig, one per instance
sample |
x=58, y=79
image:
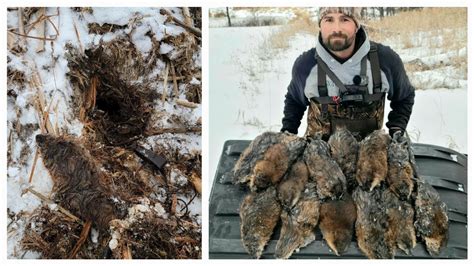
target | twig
x=44, y=118
x=165, y=83
x=34, y=166
x=187, y=104
x=196, y=181
x=186, y=239
x=158, y=131
x=89, y=98
x=181, y=77
x=187, y=16
x=42, y=31
x=199, y=95
x=34, y=37
x=189, y=224
x=49, y=201
x=38, y=117
x=177, y=78
x=175, y=82
x=56, y=129
x=10, y=142
x=127, y=252
x=196, y=32
x=21, y=28
x=78, y=35
x=84, y=233
x=54, y=25
x=10, y=40
x=174, y=202
x=21, y=31
x=41, y=18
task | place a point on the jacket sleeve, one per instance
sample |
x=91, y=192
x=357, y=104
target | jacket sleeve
x=295, y=100
x=402, y=96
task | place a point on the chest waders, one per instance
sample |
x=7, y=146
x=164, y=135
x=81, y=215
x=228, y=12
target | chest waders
x=354, y=108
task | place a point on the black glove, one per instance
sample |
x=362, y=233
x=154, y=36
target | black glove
x=392, y=131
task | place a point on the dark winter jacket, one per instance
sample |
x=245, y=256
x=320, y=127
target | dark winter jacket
x=303, y=84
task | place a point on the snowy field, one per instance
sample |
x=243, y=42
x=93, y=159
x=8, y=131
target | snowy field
x=248, y=81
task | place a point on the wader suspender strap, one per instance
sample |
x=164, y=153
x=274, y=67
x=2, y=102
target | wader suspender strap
x=375, y=67
x=324, y=70
x=322, y=88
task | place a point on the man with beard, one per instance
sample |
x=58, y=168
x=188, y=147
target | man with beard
x=344, y=80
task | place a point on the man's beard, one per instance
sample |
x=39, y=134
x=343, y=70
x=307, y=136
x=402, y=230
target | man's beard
x=340, y=44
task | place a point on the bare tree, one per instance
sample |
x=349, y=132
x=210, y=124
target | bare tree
x=390, y=11
x=381, y=12
x=228, y=16
x=363, y=12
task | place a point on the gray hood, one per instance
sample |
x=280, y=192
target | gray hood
x=345, y=71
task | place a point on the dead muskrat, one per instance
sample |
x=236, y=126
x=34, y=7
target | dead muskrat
x=76, y=179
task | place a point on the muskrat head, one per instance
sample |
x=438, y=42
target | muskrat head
x=42, y=139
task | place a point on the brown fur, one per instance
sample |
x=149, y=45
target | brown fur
x=371, y=224
x=345, y=149
x=401, y=231
x=267, y=158
x=327, y=174
x=271, y=169
x=336, y=221
x=400, y=170
x=372, y=164
x=259, y=214
x=432, y=221
x=298, y=224
x=77, y=179
x=290, y=189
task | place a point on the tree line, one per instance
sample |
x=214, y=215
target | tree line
x=367, y=12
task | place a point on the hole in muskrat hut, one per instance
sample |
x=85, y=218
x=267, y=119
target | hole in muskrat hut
x=107, y=105
x=116, y=105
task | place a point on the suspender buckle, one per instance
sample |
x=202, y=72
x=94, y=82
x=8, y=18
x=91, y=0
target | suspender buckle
x=353, y=98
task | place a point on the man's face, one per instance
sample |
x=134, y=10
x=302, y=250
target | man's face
x=338, y=31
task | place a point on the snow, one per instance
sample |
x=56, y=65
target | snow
x=249, y=81
x=440, y=118
x=166, y=48
x=113, y=243
x=160, y=211
x=177, y=178
x=141, y=41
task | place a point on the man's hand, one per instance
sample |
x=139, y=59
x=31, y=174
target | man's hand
x=392, y=131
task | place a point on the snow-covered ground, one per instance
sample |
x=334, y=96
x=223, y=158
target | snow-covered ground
x=51, y=66
x=248, y=81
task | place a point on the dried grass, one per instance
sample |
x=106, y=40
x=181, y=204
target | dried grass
x=54, y=235
x=451, y=23
x=426, y=19
x=302, y=23
x=444, y=30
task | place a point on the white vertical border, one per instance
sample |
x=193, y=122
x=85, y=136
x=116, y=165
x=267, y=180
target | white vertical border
x=470, y=120
x=205, y=133
x=3, y=132
x=205, y=115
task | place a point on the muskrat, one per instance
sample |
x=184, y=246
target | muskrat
x=76, y=179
